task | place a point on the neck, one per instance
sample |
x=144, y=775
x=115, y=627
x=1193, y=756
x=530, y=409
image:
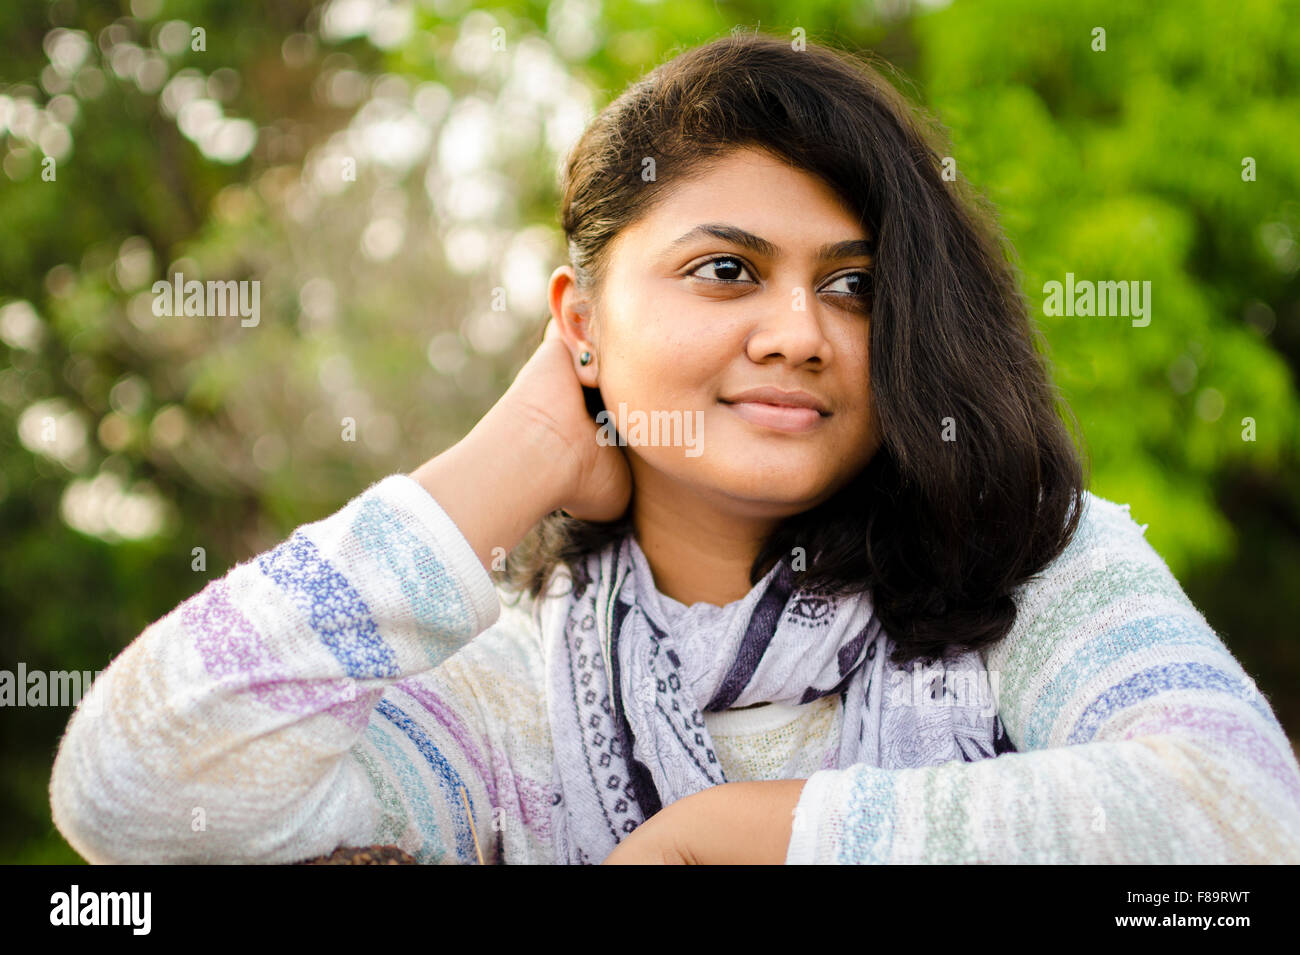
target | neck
x=697, y=552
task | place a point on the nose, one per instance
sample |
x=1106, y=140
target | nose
x=793, y=333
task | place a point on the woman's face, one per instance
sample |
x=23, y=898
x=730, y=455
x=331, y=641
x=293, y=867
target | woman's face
x=688, y=321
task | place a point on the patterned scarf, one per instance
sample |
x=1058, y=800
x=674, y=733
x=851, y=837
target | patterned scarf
x=628, y=670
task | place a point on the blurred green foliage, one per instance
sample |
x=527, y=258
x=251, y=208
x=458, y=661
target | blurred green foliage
x=378, y=291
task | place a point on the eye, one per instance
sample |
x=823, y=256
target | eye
x=863, y=286
x=727, y=264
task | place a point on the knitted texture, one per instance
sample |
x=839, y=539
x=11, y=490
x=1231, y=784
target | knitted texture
x=808, y=740
x=364, y=683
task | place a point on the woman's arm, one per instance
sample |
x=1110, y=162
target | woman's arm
x=259, y=721
x=273, y=716
x=1142, y=739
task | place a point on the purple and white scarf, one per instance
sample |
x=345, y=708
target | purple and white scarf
x=631, y=674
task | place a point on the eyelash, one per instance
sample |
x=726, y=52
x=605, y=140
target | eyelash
x=862, y=296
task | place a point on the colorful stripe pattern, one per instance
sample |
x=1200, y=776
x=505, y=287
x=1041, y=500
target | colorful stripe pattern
x=1142, y=740
x=361, y=683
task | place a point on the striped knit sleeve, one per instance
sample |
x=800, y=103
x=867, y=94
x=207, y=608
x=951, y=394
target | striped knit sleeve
x=1140, y=739
x=260, y=720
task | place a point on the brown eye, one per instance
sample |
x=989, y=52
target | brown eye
x=861, y=284
x=725, y=268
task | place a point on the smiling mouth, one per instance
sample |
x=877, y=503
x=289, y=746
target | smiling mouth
x=787, y=418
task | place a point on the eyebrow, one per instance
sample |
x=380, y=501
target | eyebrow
x=760, y=246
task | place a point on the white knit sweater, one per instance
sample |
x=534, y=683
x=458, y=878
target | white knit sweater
x=364, y=682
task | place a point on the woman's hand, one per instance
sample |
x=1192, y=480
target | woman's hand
x=534, y=452
x=546, y=395
x=747, y=823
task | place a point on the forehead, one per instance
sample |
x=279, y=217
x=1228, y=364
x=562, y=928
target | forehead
x=755, y=191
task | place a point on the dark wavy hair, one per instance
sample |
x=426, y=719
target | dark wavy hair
x=939, y=532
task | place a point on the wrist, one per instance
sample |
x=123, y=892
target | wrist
x=530, y=450
x=495, y=484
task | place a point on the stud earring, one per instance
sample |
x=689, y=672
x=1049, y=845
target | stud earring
x=585, y=358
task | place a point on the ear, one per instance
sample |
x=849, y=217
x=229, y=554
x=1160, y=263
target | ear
x=572, y=312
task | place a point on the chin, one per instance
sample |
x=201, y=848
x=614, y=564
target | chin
x=790, y=496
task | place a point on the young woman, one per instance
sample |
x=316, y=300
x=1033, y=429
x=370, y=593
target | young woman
x=801, y=567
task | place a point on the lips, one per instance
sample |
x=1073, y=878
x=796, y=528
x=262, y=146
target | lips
x=777, y=417
x=782, y=399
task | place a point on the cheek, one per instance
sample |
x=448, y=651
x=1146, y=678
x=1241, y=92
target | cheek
x=855, y=350
x=668, y=373
x=854, y=356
